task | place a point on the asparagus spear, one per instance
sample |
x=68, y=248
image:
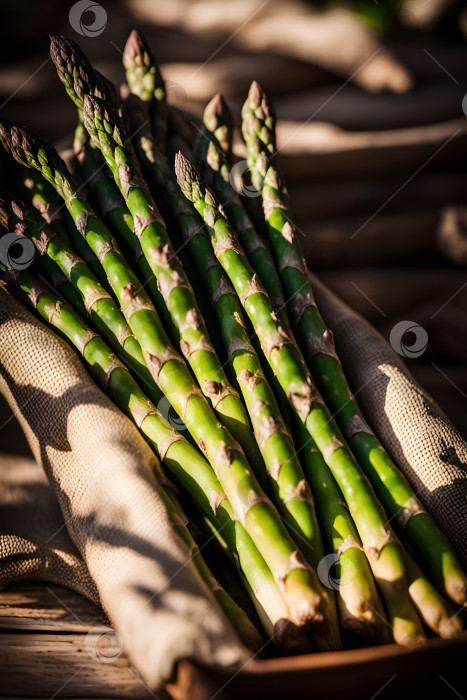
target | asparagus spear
x=281, y=351
x=106, y=130
x=213, y=166
x=175, y=287
x=79, y=78
x=217, y=119
x=112, y=207
x=179, y=456
x=42, y=197
x=359, y=603
x=145, y=80
x=54, y=277
x=290, y=489
x=393, y=488
x=102, y=309
x=156, y=168
x=276, y=443
x=291, y=492
x=306, y=599
x=234, y=613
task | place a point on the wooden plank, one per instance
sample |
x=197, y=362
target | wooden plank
x=46, y=607
x=46, y=649
x=64, y=665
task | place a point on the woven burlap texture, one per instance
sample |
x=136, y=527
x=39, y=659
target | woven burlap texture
x=101, y=471
x=415, y=431
x=34, y=542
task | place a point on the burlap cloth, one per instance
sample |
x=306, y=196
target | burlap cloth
x=100, y=470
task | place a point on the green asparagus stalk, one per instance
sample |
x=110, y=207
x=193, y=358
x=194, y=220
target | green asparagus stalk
x=306, y=599
x=281, y=351
x=106, y=130
x=105, y=364
x=78, y=76
x=156, y=168
x=179, y=456
x=392, y=487
x=54, y=277
x=234, y=613
x=437, y=614
x=273, y=614
x=145, y=80
x=217, y=119
x=291, y=491
x=42, y=197
x=174, y=285
x=214, y=168
x=113, y=209
x=103, y=311
x=359, y=603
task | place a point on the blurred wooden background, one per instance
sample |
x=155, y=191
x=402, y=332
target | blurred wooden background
x=372, y=137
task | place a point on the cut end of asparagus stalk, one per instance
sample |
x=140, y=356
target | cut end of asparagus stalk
x=307, y=609
x=360, y=609
x=406, y=633
x=436, y=612
x=290, y=638
x=456, y=588
x=357, y=617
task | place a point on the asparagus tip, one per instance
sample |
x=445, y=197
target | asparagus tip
x=134, y=49
x=62, y=48
x=5, y=134
x=93, y=106
x=217, y=108
x=257, y=98
x=255, y=92
x=55, y=41
x=217, y=119
x=186, y=173
x=19, y=140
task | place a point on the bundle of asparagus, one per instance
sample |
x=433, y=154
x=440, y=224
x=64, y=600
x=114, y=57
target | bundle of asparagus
x=129, y=261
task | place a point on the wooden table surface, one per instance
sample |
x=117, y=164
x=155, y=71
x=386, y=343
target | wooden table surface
x=51, y=640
